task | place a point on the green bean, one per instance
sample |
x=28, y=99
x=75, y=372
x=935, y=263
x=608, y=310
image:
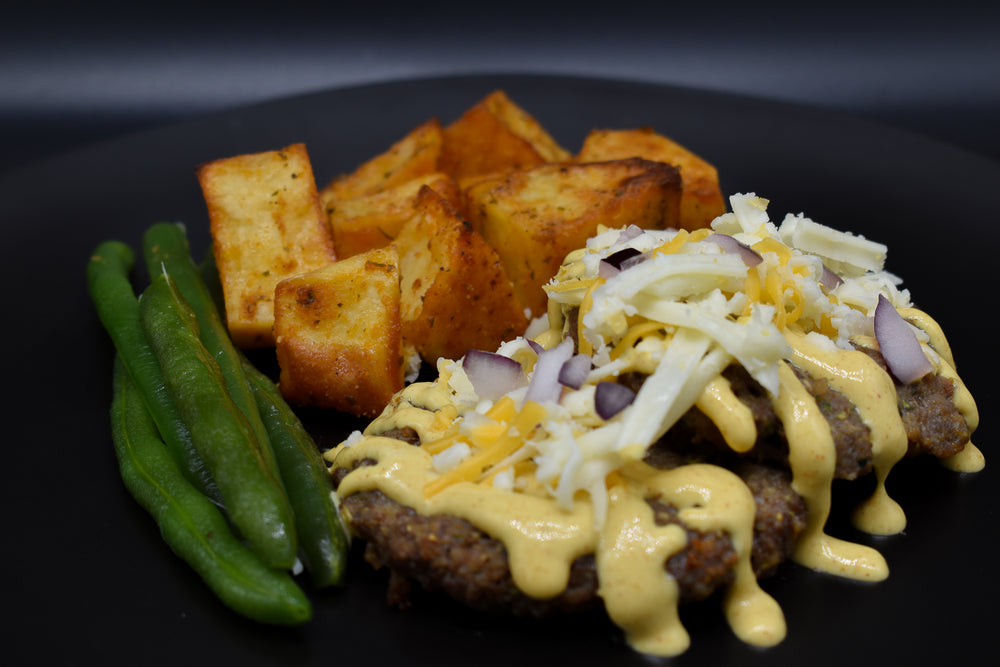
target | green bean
x=192, y=526
x=166, y=249
x=254, y=497
x=118, y=309
x=323, y=542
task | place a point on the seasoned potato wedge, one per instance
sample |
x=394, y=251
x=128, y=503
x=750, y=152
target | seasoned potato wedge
x=414, y=155
x=455, y=292
x=372, y=221
x=338, y=336
x=533, y=217
x=266, y=225
x=702, y=200
x=493, y=136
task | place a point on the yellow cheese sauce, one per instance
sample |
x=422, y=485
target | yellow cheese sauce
x=543, y=536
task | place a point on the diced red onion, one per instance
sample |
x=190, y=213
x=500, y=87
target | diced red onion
x=619, y=261
x=629, y=262
x=575, y=371
x=731, y=245
x=615, y=259
x=610, y=398
x=605, y=270
x=493, y=375
x=899, y=345
x=830, y=280
x=545, y=385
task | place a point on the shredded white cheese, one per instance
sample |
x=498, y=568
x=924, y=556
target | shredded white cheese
x=680, y=316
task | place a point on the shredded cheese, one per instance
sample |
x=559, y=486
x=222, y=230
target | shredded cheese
x=679, y=315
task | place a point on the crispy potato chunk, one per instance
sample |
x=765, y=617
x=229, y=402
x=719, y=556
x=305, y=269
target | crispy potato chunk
x=374, y=220
x=455, y=293
x=533, y=217
x=702, y=200
x=338, y=336
x=413, y=156
x=495, y=135
x=266, y=225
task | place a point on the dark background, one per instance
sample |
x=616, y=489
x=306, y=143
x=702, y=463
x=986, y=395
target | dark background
x=73, y=73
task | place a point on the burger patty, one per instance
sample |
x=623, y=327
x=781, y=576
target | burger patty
x=448, y=554
x=933, y=424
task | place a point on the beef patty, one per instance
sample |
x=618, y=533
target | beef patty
x=448, y=554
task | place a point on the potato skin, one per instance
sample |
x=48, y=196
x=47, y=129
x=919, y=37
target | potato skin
x=338, y=337
x=534, y=217
x=266, y=225
x=456, y=294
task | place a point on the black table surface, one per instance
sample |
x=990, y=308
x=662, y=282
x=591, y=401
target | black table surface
x=74, y=73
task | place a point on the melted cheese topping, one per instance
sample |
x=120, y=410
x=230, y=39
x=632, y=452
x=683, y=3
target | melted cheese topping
x=553, y=481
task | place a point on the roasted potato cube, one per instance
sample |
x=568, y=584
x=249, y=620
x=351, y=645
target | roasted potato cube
x=493, y=136
x=525, y=126
x=533, y=217
x=374, y=220
x=702, y=200
x=413, y=156
x=337, y=334
x=455, y=293
x=266, y=225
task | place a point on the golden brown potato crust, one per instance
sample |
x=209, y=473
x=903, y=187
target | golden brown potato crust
x=494, y=136
x=413, y=156
x=372, y=221
x=534, y=217
x=455, y=292
x=266, y=225
x=338, y=336
x=702, y=200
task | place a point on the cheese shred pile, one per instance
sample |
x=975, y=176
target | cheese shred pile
x=678, y=309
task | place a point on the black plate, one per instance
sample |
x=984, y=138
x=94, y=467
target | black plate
x=91, y=578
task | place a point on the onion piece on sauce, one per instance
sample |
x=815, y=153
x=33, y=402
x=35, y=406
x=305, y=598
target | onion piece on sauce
x=493, y=375
x=899, y=345
x=610, y=398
